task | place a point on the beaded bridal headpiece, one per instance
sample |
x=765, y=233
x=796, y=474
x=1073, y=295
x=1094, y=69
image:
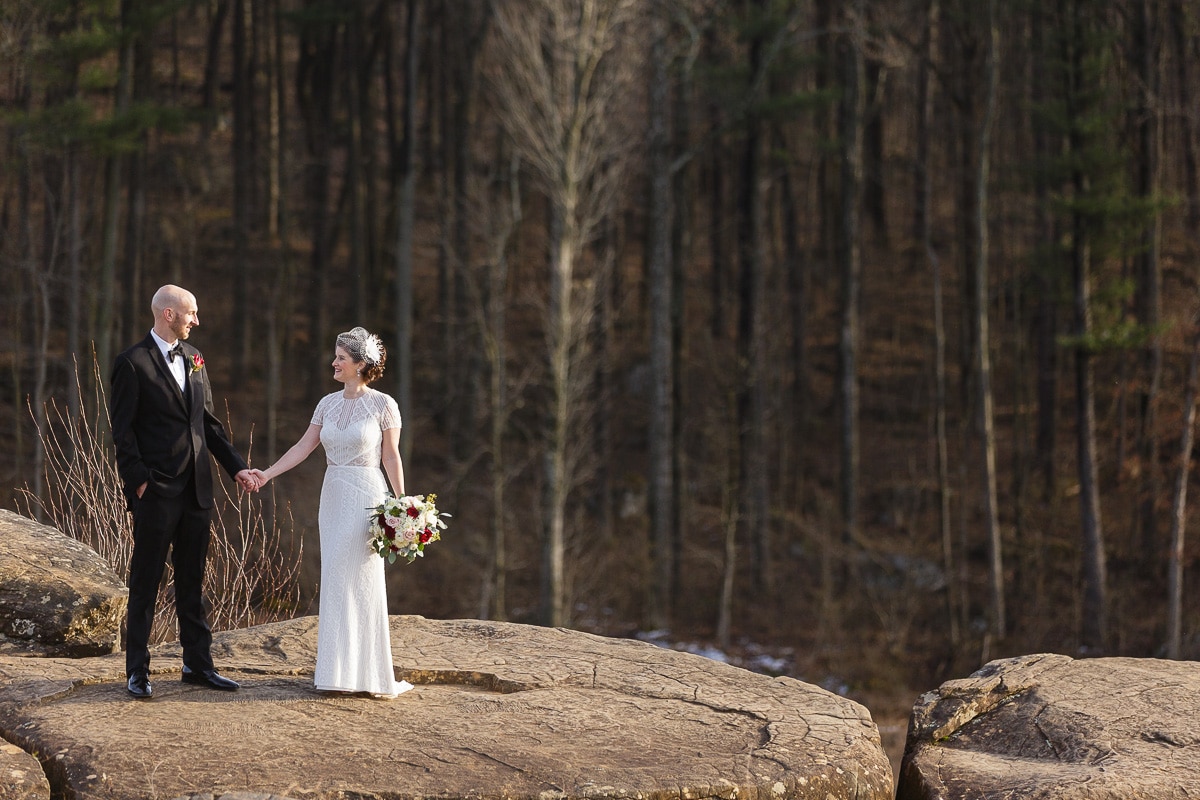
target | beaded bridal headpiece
x=361, y=345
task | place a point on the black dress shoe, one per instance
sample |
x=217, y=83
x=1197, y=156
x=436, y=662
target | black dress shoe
x=210, y=678
x=139, y=686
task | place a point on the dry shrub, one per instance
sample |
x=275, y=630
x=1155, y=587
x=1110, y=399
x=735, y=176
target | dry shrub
x=250, y=578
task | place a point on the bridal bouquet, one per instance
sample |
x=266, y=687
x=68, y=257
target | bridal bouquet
x=402, y=526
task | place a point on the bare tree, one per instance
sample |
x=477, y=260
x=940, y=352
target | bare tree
x=280, y=302
x=406, y=211
x=1187, y=52
x=496, y=220
x=112, y=202
x=754, y=513
x=1179, y=506
x=559, y=75
x=978, y=255
x=316, y=75
x=242, y=157
x=1075, y=32
x=659, y=276
x=850, y=129
x=1145, y=54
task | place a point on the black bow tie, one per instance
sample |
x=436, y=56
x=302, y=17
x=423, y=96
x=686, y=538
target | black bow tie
x=177, y=350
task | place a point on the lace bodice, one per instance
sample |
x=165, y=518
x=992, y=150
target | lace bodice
x=352, y=429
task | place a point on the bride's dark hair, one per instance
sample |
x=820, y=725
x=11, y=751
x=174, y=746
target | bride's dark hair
x=364, y=348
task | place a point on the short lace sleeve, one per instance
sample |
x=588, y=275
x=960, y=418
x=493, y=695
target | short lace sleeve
x=318, y=417
x=389, y=413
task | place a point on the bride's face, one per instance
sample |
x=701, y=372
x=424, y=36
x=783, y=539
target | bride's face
x=344, y=367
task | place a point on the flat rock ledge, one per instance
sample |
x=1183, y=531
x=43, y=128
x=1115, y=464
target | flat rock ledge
x=57, y=597
x=499, y=711
x=1049, y=726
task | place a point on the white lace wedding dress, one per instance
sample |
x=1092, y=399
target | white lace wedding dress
x=354, y=651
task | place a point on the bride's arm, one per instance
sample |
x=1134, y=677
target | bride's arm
x=392, y=464
x=298, y=452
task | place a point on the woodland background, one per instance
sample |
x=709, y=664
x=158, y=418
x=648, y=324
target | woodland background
x=860, y=333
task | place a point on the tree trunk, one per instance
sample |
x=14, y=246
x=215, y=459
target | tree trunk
x=797, y=279
x=730, y=489
x=406, y=213
x=75, y=348
x=923, y=229
x=1094, y=602
x=243, y=180
x=826, y=79
x=658, y=276
x=477, y=20
x=978, y=255
x=276, y=114
x=1046, y=275
x=850, y=126
x=495, y=599
x=316, y=73
x=754, y=513
x=1094, y=622
x=1187, y=53
x=874, y=137
x=717, y=245
x=212, y=67
x=1179, y=506
x=112, y=206
x=556, y=480
x=278, y=225
x=1149, y=278
x=684, y=192
x=132, y=321
x=354, y=54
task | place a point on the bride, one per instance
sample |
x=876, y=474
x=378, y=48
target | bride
x=359, y=429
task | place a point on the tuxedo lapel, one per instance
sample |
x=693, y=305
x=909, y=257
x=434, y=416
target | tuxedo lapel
x=190, y=383
x=189, y=390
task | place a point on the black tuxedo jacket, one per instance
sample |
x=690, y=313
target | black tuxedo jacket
x=162, y=437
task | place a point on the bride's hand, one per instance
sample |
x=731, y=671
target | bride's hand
x=260, y=478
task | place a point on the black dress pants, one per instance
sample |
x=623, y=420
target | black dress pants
x=180, y=525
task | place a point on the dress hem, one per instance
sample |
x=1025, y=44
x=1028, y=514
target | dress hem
x=401, y=688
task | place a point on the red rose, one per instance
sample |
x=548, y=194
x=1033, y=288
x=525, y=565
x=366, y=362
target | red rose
x=413, y=511
x=426, y=535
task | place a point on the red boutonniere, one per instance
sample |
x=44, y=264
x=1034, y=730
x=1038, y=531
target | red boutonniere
x=197, y=362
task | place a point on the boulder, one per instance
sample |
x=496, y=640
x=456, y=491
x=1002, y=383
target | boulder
x=1049, y=726
x=499, y=710
x=21, y=776
x=57, y=596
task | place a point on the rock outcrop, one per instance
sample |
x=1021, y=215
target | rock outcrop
x=1048, y=726
x=499, y=710
x=21, y=776
x=57, y=597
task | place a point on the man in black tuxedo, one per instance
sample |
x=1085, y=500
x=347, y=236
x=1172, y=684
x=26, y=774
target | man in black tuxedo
x=164, y=429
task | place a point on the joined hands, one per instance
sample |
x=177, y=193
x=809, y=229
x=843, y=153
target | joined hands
x=251, y=480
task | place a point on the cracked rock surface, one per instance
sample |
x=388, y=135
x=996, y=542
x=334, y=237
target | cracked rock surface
x=499, y=710
x=1049, y=726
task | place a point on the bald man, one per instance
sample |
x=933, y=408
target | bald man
x=164, y=430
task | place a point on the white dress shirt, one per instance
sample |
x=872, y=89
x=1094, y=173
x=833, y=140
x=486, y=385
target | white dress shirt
x=178, y=366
